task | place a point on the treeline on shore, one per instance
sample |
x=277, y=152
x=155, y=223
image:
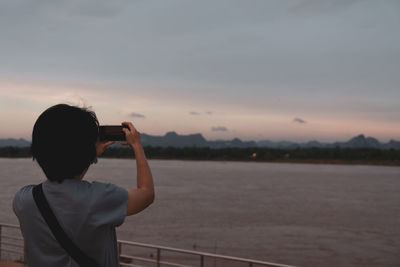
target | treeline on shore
x=312, y=155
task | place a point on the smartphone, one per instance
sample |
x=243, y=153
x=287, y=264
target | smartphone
x=112, y=133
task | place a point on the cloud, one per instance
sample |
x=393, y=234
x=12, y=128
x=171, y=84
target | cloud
x=299, y=120
x=101, y=9
x=314, y=7
x=219, y=129
x=137, y=115
x=199, y=113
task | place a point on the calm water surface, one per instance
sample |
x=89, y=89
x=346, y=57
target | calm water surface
x=300, y=214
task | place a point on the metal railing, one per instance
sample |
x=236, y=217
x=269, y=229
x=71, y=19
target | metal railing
x=12, y=243
x=201, y=257
x=130, y=260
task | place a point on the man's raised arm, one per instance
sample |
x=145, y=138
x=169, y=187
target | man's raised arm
x=142, y=196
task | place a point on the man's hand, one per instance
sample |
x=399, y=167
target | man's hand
x=101, y=146
x=132, y=135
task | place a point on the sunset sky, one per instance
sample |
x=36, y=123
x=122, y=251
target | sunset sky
x=293, y=70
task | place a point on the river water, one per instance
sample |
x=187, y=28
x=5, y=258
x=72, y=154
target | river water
x=298, y=214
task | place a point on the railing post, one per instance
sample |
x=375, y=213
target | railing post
x=0, y=241
x=158, y=257
x=201, y=260
x=24, y=253
x=250, y=264
x=119, y=252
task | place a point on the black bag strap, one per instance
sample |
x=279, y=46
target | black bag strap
x=41, y=202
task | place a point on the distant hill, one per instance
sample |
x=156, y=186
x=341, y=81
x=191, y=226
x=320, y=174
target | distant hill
x=14, y=142
x=392, y=145
x=172, y=139
x=359, y=141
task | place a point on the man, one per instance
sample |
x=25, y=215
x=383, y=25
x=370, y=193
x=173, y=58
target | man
x=65, y=143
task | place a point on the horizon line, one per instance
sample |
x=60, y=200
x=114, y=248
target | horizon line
x=244, y=140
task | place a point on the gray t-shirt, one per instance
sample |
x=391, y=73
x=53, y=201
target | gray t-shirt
x=88, y=212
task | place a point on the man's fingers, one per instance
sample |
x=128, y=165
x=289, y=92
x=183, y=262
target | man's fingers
x=130, y=125
x=106, y=143
x=125, y=123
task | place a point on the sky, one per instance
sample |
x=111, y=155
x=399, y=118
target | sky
x=295, y=70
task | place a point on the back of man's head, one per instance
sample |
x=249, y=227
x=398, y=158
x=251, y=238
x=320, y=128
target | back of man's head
x=64, y=141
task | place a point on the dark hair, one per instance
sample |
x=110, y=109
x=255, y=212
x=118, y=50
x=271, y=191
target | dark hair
x=64, y=141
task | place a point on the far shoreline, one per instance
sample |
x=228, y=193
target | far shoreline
x=335, y=156
x=316, y=162
x=388, y=163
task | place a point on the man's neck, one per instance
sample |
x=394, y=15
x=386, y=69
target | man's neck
x=80, y=177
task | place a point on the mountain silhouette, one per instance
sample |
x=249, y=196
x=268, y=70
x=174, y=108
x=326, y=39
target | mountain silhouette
x=172, y=139
x=14, y=142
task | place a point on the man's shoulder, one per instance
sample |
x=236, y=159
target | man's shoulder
x=24, y=191
x=109, y=203
x=105, y=187
x=97, y=192
x=22, y=198
x=102, y=185
x=109, y=191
